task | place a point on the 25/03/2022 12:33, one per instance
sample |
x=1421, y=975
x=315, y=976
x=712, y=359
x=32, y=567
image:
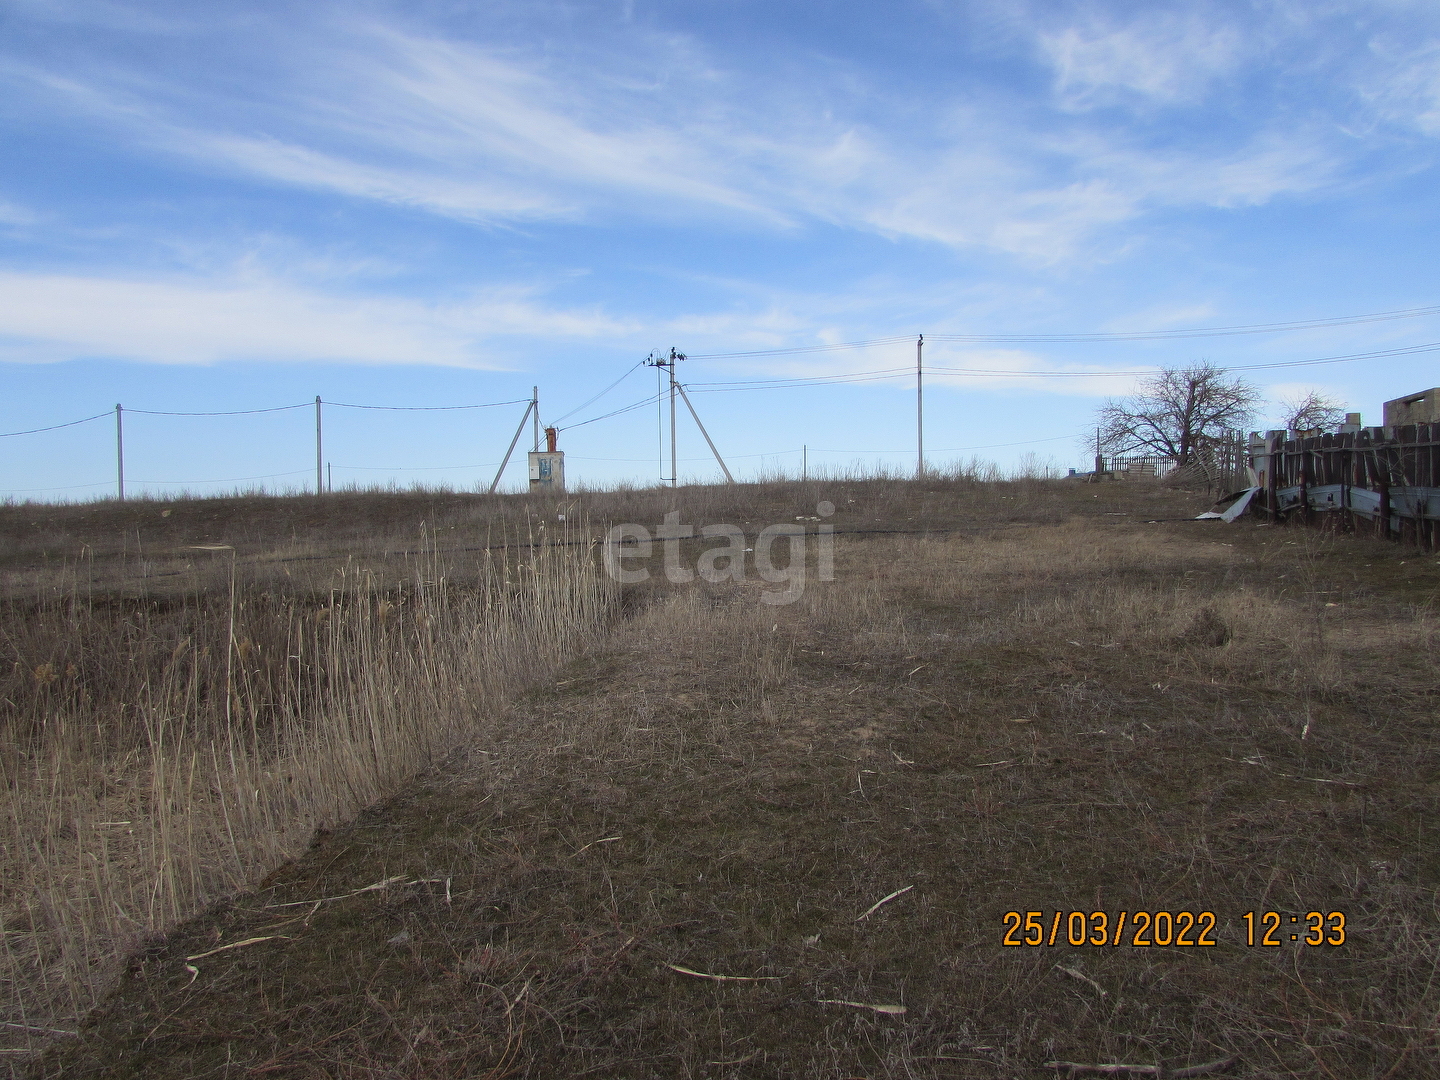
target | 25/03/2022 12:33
x=1147, y=929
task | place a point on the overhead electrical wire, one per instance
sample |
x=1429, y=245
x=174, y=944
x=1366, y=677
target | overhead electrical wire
x=1118, y=335
x=618, y=412
x=1408, y=350
x=416, y=468
x=56, y=427
x=228, y=479
x=801, y=383
x=311, y=404
x=844, y=376
x=768, y=384
x=427, y=408
x=639, y=364
x=1202, y=331
x=941, y=449
x=230, y=412
x=856, y=377
x=804, y=348
x=883, y=374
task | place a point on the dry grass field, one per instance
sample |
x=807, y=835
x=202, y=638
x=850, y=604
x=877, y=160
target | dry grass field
x=669, y=830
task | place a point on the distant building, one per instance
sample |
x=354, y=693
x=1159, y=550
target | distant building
x=1421, y=408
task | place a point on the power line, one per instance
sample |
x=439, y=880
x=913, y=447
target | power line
x=597, y=397
x=805, y=349
x=426, y=408
x=1408, y=350
x=945, y=449
x=231, y=412
x=303, y=405
x=760, y=383
x=225, y=480
x=619, y=412
x=1118, y=335
x=414, y=468
x=55, y=427
x=801, y=382
x=64, y=487
x=1202, y=331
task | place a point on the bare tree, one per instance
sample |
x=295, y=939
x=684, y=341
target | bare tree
x=1177, y=411
x=1314, y=410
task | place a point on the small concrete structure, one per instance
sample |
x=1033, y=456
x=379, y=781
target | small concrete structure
x=1421, y=408
x=547, y=467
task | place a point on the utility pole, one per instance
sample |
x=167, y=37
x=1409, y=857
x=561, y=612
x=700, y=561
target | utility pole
x=319, y=452
x=708, y=441
x=535, y=412
x=919, y=409
x=119, y=455
x=674, y=461
x=530, y=406
x=660, y=360
x=805, y=462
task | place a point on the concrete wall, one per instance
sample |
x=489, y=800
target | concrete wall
x=547, y=472
x=1421, y=408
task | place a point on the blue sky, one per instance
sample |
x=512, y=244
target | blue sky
x=225, y=207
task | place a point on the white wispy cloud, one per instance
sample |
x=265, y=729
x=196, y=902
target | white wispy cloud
x=1159, y=55
x=1029, y=371
x=58, y=317
x=14, y=214
x=392, y=114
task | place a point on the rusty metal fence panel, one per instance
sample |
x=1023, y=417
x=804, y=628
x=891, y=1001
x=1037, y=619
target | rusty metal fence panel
x=1385, y=481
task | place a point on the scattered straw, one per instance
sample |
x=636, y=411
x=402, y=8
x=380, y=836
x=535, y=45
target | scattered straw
x=605, y=840
x=888, y=1010
x=1076, y=973
x=1075, y=1068
x=240, y=945
x=883, y=900
x=721, y=978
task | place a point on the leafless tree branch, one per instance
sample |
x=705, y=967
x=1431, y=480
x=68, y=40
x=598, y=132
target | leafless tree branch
x=1175, y=411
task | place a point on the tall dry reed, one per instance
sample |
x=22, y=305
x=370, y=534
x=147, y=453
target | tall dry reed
x=160, y=752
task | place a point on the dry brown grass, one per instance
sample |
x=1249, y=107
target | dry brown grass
x=1072, y=711
x=163, y=752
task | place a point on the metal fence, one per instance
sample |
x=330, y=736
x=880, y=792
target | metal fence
x=1217, y=463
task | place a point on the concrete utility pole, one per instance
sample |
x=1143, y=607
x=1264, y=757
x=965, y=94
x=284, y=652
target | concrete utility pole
x=319, y=452
x=674, y=461
x=919, y=409
x=535, y=411
x=119, y=455
x=660, y=360
x=530, y=406
x=708, y=441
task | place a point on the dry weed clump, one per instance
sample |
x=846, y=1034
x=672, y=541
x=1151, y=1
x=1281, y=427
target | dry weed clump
x=162, y=753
